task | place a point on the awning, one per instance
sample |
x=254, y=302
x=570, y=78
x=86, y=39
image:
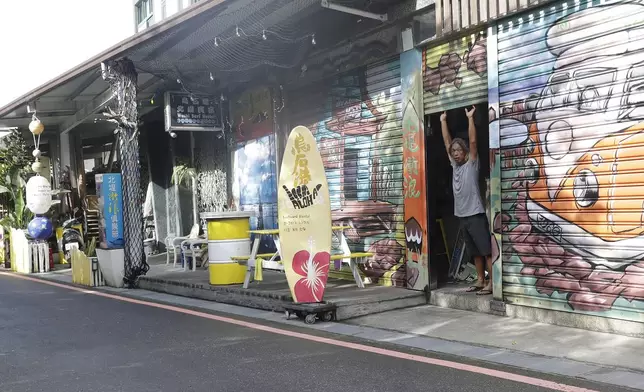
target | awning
x=210, y=46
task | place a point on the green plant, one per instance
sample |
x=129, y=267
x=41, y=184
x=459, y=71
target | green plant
x=90, y=251
x=183, y=175
x=14, y=169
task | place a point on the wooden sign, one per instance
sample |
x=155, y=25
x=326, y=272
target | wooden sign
x=304, y=214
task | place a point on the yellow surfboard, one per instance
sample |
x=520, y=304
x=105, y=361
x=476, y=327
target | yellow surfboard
x=304, y=216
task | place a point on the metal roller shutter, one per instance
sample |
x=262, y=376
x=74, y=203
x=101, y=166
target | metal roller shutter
x=356, y=118
x=455, y=73
x=572, y=142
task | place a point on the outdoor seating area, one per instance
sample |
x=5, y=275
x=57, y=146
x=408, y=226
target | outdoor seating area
x=189, y=250
x=272, y=293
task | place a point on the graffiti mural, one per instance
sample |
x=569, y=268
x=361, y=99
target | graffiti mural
x=571, y=139
x=454, y=73
x=359, y=138
x=254, y=184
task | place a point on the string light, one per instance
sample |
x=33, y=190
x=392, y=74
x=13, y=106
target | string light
x=178, y=80
x=211, y=77
x=240, y=33
x=222, y=98
x=152, y=99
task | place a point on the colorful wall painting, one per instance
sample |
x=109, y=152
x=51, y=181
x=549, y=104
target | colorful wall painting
x=357, y=124
x=414, y=179
x=571, y=138
x=455, y=73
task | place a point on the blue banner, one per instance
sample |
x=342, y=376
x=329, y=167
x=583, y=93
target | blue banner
x=110, y=200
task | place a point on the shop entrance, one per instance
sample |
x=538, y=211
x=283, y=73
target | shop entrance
x=443, y=226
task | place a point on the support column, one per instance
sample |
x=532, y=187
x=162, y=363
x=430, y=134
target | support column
x=414, y=177
x=122, y=77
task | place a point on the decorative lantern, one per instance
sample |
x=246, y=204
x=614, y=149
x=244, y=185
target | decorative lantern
x=38, y=190
x=40, y=228
x=36, y=127
x=38, y=194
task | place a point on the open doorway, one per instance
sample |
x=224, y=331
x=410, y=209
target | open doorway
x=443, y=225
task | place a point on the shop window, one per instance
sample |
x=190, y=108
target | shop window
x=144, y=14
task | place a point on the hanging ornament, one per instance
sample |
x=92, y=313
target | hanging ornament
x=35, y=126
x=38, y=192
x=40, y=228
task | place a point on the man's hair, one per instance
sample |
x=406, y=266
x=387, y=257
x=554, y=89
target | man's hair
x=461, y=143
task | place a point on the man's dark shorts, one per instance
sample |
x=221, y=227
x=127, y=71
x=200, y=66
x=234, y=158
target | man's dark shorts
x=476, y=232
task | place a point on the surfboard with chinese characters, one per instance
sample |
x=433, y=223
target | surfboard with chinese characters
x=304, y=216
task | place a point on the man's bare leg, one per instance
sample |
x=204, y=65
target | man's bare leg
x=480, y=271
x=488, y=265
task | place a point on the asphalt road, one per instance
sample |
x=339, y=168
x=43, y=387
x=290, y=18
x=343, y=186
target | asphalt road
x=55, y=339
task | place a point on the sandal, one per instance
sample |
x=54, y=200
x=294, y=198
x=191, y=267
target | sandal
x=484, y=292
x=472, y=289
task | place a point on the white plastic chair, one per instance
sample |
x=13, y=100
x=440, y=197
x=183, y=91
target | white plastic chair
x=174, y=244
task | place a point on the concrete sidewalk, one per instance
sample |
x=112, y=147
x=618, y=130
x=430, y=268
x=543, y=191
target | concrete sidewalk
x=513, y=334
x=545, y=348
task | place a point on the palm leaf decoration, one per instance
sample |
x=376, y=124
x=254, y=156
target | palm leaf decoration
x=183, y=175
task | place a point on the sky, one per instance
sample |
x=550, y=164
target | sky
x=41, y=39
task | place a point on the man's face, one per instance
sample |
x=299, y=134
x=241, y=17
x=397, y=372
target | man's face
x=458, y=154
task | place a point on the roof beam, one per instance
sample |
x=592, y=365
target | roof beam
x=88, y=82
x=52, y=107
x=86, y=111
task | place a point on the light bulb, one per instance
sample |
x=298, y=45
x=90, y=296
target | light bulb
x=264, y=35
x=211, y=77
x=237, y=31
x=313, y=40
x=178, y=80
x=216, y=42
x=222, y=98
x=173, y=135
x=152, y=101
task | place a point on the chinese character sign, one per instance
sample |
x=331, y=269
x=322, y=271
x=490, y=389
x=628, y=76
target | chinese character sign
x=192, y=112
x=110, y=200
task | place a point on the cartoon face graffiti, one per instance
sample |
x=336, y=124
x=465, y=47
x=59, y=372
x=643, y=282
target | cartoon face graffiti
x=585, y=188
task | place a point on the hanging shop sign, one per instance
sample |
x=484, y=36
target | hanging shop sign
x=304, y=214
x=190, y=112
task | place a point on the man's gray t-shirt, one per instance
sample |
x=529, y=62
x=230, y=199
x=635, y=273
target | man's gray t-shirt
x=465, y=184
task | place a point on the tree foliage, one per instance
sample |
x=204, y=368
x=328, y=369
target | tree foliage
x=15, y=168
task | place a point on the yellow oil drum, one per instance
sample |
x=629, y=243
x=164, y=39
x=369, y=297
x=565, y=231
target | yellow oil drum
x=227, y=237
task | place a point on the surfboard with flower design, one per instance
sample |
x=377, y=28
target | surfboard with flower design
x=304, y=216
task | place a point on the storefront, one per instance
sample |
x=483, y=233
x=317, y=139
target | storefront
x=569, y=116
x=455, y=78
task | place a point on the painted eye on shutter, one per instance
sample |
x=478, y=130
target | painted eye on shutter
x=586, y=188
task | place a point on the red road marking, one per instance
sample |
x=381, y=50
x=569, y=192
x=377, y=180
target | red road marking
x=355, y=346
